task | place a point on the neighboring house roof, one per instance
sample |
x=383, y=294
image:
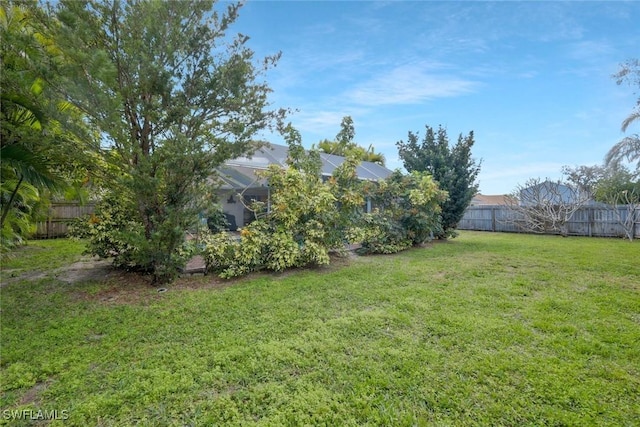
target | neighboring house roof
x=240, y=172
x=483, y=199
x=554, y=192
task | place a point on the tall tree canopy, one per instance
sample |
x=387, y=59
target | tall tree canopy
x=43, y=141
x=173, y=97
x=344, y=144
x=629, y=147
x=451, y=166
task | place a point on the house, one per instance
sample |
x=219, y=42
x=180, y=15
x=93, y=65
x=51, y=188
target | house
x=553, y=193
x=239, y=177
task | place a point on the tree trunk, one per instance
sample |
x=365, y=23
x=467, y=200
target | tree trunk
x=5, y=211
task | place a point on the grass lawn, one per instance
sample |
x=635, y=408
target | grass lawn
x=486, y=329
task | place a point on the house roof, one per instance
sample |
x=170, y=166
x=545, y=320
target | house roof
x=240, y=172
x=263, y=157
x=483, y=199
x=239, y=177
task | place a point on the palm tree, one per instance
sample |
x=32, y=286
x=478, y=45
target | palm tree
x=25, y=123
x=629, y=147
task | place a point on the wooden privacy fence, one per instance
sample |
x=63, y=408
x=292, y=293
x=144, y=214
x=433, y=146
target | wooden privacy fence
x=594, y=221
x=59, y=215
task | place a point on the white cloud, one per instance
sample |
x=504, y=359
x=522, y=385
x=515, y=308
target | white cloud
x=409, y=84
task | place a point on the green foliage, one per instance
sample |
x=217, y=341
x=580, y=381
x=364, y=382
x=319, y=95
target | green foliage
x=345, y=222
x=618, y=186
x=298, y=158
x=344, y=146
x=113, y=232
x=502, y=330
x=217, y=221
x=19, y=221
x=292, y=234
x=220, y=251
x=43, y=140
x=628, y=149
x=173, y=97
x=110, y=232
x=408, y=213
x=451, y=166
x=383, y=235
x=308, y=217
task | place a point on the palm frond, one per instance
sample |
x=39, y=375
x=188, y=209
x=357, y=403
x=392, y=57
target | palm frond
x=628, y=149
x=632, y=118
x=28, y=165
x=23, y=111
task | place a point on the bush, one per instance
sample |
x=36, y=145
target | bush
x=383, y=235
x=408, y=213
x=110, y=232
x=217, y=221
x=113, y=232
x=308, y=217
x=219, y=252
x=292, y=234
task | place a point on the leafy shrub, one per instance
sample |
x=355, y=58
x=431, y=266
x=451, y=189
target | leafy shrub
x=452, y=166
x=408, y=213
x=110, y=232
x=27, y=207
x=383, y=235
x=217, y=221
x=115, y=231
x=219, y=251
x=291, y=234
x=308, y=218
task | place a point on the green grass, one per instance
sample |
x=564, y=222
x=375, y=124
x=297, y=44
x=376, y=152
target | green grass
x=487, y=329
x=42, y=255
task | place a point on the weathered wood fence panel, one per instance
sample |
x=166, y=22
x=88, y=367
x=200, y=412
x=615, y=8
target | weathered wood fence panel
x=59, y=216
x=587, y=221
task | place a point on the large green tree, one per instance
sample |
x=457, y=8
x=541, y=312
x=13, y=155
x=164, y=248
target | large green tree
x=43, y=139
x=173, y=96
x=629, y=147
x=620, y=189
x=452, y=166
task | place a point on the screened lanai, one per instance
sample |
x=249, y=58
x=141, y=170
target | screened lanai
x=239, y=179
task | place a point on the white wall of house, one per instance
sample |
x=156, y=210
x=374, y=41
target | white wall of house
x=231, y=203
x=236, y=208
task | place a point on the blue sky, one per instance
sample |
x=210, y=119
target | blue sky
x=531, y=79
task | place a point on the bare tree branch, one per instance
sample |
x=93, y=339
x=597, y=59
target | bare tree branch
x=545, y=206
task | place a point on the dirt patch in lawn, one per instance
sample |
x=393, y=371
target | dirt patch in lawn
x=32, y=395
x=87, y=269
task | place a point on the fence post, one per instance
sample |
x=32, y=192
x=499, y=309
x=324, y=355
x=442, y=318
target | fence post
x=493, y=218
x=49, y=223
